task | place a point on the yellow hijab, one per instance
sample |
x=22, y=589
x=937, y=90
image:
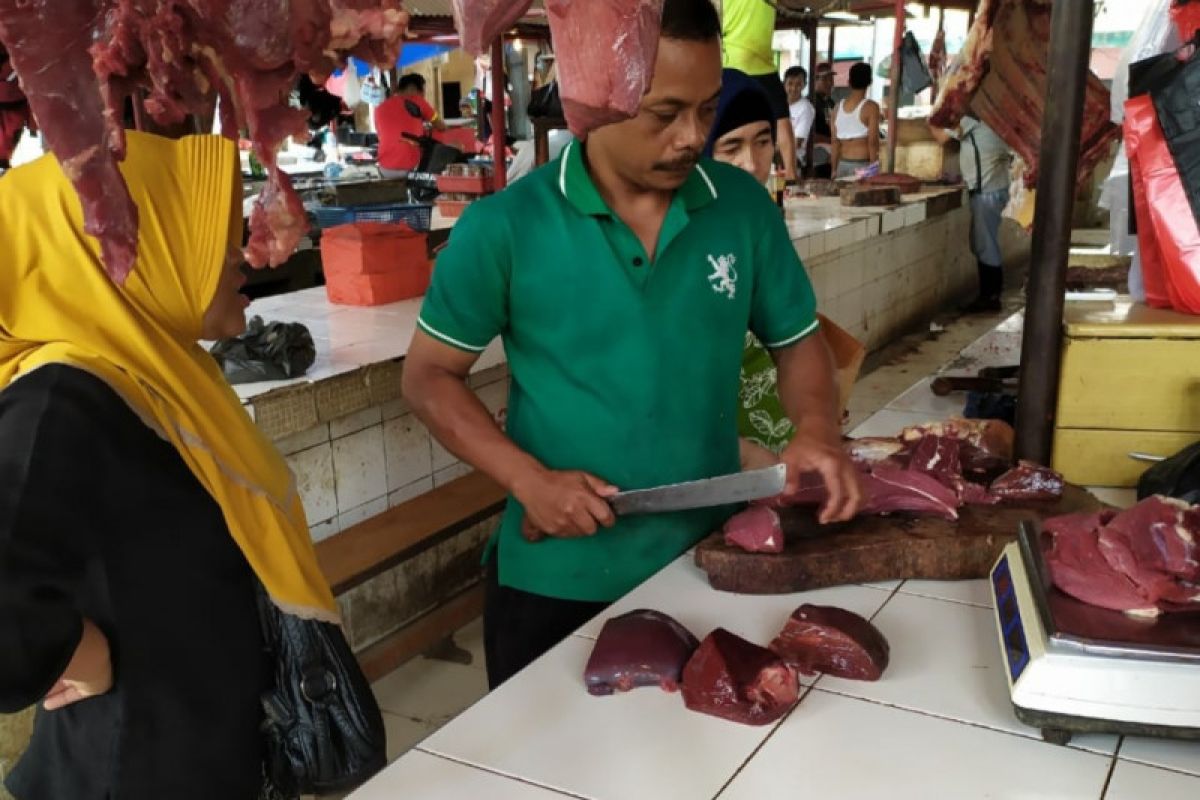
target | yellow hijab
x=58, y=306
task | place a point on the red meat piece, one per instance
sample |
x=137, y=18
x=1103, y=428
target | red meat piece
x=755, y=530
x=737, y=680
x=1029, y=481
x=994, y=437
x=479, y=22
x=907, y=184
x=605, y=51
x=183, y=54
x=938, y=455
x=640, y=648
x=834, y=641
x=890, y=490
x=1078, y=568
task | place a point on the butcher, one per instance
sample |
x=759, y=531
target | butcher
x=621, y=278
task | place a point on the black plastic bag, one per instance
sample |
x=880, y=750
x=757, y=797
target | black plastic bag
x=545, y=102
x=1177, y=476
x=914, y=74
x=1179, y=116
x=274, y=351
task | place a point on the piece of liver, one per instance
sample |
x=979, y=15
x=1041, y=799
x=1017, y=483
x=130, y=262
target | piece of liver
x=639, y=648
x=834, y=641
x=737, y=680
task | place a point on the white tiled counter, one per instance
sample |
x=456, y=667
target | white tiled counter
x=938, y=724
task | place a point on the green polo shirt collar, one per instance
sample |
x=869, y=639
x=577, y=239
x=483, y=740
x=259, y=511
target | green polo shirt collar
x=576, y=185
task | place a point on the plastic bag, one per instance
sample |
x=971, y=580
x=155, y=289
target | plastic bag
x=1165, y=203
x=1154, y=35
x=271, y=351
x=1139, y=120
x=914, y=75
x=1177, y=476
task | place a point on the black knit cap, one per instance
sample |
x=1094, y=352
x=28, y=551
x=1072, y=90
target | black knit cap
x=742, y=102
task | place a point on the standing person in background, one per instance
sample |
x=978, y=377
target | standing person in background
x=14, y=111
x=985, y=160
x=140, y=507
x=856, y=126
x=821, y=98
x=800, y=108
x=747, y=34
x=399, y=120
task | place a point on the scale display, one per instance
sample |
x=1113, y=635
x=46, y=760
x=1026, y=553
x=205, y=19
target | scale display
x=1016, y=649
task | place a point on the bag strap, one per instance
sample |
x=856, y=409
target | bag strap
x=978, y=167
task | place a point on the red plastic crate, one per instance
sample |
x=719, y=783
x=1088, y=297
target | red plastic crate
x=465, y=184
x=367, y=264
x=452, y=208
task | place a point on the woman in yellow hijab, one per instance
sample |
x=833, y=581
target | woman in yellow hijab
x=139, y=505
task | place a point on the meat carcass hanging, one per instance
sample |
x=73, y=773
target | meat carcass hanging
x=1000, y=78
x=479, y=22
x=605, y=51
x=79, y=59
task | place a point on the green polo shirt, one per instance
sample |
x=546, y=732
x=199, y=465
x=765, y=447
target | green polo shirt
x=622, y=365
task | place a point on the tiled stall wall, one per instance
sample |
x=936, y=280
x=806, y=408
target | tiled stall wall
x=877, y=277
x=15, y=730
x=359, y=465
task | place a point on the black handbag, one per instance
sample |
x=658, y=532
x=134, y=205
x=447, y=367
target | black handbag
x=324, y=731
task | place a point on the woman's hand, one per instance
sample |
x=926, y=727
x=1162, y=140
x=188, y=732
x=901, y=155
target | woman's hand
x=89, y=674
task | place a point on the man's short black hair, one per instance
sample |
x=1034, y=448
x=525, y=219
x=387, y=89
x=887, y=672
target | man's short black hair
x=412, y=79
x=860, y=75
x=796, y=72
x=690, y=20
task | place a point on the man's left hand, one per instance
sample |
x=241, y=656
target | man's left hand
x=821, y=451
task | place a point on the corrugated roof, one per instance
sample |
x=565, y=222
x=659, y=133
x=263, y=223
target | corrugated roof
x=439, y=8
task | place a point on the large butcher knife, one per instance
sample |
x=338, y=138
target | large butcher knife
x=724, y=490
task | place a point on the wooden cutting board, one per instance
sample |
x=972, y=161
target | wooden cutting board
x=877, y=548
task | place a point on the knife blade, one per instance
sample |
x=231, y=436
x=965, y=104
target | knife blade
x=722, y=490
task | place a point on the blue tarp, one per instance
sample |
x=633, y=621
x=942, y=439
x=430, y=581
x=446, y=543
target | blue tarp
x=411, y=54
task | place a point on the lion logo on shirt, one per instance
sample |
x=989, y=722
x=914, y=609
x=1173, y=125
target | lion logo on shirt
x=723, y=279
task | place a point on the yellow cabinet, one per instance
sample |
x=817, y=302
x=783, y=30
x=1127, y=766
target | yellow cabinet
x=1130, y=385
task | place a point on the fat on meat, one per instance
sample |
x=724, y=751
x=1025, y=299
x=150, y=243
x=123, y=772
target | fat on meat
x=479, y=22
x=605, y=51
x=79, y=59
x=834, y=641
x=1000, y=76
x=737, y=680
x=755, y=530
x=639, y=648
x=1028, y=481
x=992, y=436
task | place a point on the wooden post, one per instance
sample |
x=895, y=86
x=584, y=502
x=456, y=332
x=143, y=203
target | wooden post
x=1062, y=121
x=499, y=168
x=810, y=30
x=832, y=43
x=894, y=89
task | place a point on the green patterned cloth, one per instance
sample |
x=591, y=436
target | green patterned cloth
x=761, y=417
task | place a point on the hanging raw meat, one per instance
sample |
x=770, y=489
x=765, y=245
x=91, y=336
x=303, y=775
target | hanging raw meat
x=479, y=22
x=79, y=59
x=834, y=641
x=605, y=51
x=640, y=648
x=1000, y=78
x=737, y=680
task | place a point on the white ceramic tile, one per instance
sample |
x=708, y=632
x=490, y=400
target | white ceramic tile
x=323, y=530
x=1118, y=498
x=470, y=638
x=430, y=691
x=1183, y=756
x=414, y=489
x=816, y=245
x=681, y=589
x=543, y=726
x=430, y=777
x=873, y=224
x=945, y=661
x=802, y=248
x=372, y=508
x=892, y=220
x=360, y=468
x=973, y=592
x=920, y=399
x=888, y=423
x=403, y=734
x=838, y=747
x=914, y=214
x=442, y=477
x=294, y=443
x=406, y=444
x=394, y=408
x=313, y=469
x=1138, y=782
x=486, y=376
x=355, y=422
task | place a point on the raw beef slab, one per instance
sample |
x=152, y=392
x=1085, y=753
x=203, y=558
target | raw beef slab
x=737, y=680
x=479, y=22
x=605, y=51
x=79, y=59
x=1029, y=481
x=755, y=530
x=834, y=641
x=640, y=648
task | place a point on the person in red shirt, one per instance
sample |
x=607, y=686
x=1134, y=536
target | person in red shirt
x=406, y=112
x=14, y=111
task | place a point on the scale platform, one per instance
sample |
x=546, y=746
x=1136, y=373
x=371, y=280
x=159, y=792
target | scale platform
x=1076, y=668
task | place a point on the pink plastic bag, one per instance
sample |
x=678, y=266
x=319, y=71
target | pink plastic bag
x=1167, y=230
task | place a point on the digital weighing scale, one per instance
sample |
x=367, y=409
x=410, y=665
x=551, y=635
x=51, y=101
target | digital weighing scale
x=1075, y=668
